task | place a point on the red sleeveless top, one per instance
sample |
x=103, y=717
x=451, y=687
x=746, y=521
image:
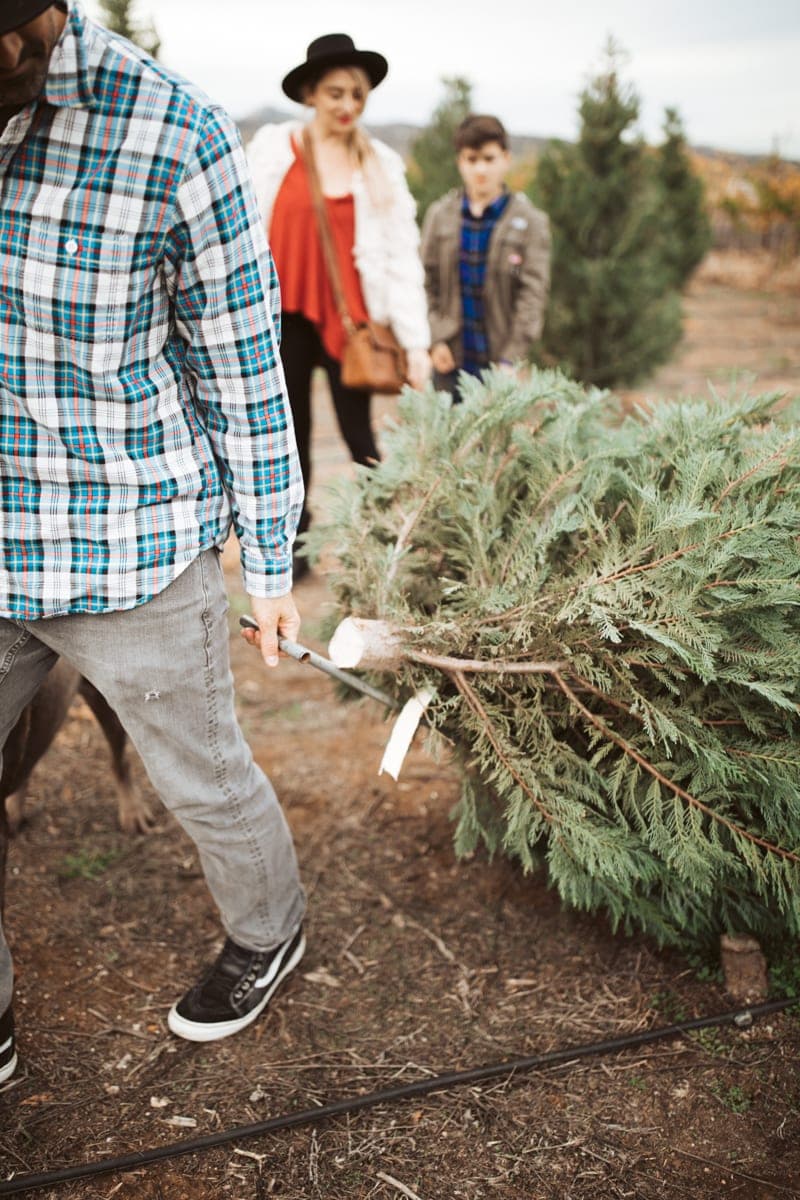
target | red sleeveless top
x=297, y=249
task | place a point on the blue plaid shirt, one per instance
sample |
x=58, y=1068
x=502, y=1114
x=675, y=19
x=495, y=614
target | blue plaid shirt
x=142, y=402
x=476, y=233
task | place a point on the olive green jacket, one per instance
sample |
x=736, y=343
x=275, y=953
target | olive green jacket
x=517, y=276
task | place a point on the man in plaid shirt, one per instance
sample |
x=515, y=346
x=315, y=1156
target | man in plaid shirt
x=142, y=412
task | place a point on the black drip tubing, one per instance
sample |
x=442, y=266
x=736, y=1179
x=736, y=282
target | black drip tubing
x=422, y=1087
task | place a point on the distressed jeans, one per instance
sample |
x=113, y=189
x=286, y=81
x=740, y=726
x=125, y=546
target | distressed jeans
x=164, y=668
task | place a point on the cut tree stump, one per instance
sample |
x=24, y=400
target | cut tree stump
x=744, y=967
x=370, y=645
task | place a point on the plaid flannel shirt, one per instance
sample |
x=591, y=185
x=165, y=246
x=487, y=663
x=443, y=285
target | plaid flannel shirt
x=476, y=233
x=142, y=400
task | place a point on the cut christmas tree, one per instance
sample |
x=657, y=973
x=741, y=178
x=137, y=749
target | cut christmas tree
x=606, y=609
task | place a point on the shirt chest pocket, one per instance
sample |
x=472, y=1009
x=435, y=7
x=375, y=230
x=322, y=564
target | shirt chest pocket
x=77, y=286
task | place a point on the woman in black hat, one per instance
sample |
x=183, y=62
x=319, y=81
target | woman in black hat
x=371, y=215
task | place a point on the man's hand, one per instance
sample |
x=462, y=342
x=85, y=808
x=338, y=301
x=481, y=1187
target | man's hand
x=277, y=617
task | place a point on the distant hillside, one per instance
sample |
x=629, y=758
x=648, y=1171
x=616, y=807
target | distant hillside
x=398, y=135
x=263, y=116
x=402, y=137
x=736, y=156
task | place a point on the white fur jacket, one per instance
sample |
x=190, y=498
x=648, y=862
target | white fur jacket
x=386, y=247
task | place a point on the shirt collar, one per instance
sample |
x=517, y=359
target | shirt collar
x=492, y=211
x=70, y=79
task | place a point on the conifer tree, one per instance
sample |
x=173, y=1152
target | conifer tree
x=611, y=316
x=687, y=228
x=116, y=16
x=606, y=613
x=433, y=169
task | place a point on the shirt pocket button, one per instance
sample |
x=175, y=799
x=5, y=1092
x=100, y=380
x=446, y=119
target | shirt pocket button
x=77, y=287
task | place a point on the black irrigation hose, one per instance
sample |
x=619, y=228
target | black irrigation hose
x=422, y=1087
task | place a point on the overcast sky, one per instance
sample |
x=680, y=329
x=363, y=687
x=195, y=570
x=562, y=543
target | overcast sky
x=731, y=67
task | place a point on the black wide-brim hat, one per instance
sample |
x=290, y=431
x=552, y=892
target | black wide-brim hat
x=14, y=13
x=330, y=51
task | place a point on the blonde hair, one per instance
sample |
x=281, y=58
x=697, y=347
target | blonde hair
x=361, y=145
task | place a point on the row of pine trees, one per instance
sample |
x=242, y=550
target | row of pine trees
x=628, y=223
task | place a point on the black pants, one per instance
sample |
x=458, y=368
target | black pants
x=301, y=351
x=447, y=381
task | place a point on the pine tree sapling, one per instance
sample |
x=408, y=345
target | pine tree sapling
x=433, y=168
x=613, y=313
x=607, y=610
x=116, y=16
x=687, y=228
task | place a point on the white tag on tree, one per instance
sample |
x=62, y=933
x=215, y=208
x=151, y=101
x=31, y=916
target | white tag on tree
x=403, y=731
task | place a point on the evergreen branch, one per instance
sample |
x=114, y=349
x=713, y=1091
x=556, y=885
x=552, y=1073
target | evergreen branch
x=728, y=721
x=502, y=618
x=500, y=470
x=480, y=712
x=761, y=581
x=736, y=830
x=523, y=529
x=586, y=686
x=556, y=484
x=480, y=665
x=779, y=454
x=701, y=614
x=480, y=548
x=407, y=528
x=774, y=758
x=681, y=552
x=654, y=666
x=478, y=438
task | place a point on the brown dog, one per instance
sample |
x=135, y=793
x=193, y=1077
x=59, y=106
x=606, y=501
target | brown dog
x=34, y=732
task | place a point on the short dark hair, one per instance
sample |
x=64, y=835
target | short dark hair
x=476, y=130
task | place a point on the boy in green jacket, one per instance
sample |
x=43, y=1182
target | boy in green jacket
x=486, y=253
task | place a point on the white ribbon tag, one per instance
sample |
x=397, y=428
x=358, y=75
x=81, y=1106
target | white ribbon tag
x=402, y=733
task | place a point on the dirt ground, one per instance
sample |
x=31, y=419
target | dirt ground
x=417, y=963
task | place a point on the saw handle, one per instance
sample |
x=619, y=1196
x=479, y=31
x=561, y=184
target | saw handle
x=303, y=654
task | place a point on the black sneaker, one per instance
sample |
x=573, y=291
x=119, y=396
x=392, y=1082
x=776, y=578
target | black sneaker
x=234, y=991
x=8, y=1057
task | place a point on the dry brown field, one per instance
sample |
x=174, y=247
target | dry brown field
x=417, y=963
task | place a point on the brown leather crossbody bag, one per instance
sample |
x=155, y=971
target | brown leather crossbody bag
x=372, y=360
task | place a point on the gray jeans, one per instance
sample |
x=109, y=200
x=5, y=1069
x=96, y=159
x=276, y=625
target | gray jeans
x=164, y=667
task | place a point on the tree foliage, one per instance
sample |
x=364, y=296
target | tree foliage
x=687, y=228
x=433, y=168
x=615, y=603
x=612, y=315
x=117, y=16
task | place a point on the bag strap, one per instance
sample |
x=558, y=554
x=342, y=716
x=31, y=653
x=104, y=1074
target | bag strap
x=325, y=235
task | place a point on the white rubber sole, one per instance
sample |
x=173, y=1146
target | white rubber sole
x=8, y=1070
x=213, y=1031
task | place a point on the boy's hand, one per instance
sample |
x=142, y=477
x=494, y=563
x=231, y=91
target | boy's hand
x=277, y=617
x=520, y=371
x=442, y=358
